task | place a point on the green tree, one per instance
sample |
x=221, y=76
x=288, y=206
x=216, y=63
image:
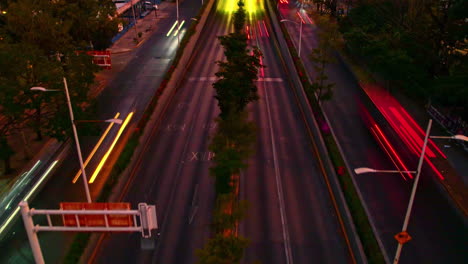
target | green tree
x=48, y=30
x=232, y=144
x=93, y=22
x=320, y=86
x=35, y=22
x=236, y=87
x=227, y=221
x=322, y=55
x=11, y=110
x=222, y=249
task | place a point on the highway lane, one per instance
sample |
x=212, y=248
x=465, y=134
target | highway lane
x=171, y=175
x=291, y=218
x=174, y=172
x=130, y=90
x=438, y=231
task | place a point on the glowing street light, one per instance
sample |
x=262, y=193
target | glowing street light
x=112, y=120
x=370, y=170
x=300, y=33
x=300, y=30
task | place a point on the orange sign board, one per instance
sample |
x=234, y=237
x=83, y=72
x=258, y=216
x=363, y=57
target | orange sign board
x=119, y=220
x=97, y=220
x=101, y=58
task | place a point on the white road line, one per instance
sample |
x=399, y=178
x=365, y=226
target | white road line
x=214, y=79
x=287, y=245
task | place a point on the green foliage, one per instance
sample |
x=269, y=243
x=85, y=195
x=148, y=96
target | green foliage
x=322, y=56
x=222, y=249
x=77, y=247
x=368, y=240
x=421, y=48
x=6, y=154
x=236, y=88
x=232, y=144
x=228, y=221
x=62, y=27
x=91, y=21
x=239, y=18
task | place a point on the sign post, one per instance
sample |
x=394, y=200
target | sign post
x=90, y=217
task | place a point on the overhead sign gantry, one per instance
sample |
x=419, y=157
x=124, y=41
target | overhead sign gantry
x=89, y=217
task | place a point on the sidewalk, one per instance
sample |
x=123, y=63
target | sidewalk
x=146, y=26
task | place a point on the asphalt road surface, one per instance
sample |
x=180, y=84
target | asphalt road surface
x=439, y=233
x=291, y=218
x=174, y=172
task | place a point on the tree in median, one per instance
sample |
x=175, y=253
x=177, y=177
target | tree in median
x=222, y=249
x=236, y=87
x=232, y=144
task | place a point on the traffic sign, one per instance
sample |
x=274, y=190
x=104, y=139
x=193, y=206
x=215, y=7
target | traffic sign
x=403, y=237
x=99, y=219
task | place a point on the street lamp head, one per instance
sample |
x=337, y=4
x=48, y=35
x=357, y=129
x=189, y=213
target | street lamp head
x=42, y=89
x=115, y=120
x=461, y=137
x=363, y=170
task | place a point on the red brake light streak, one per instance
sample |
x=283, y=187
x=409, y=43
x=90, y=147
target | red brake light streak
x=404, y=125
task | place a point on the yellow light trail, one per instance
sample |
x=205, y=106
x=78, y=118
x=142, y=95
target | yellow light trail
x=250, y=6
x=77, y=175
x=180, y=26
x=104, y=159
x=28, y=196
x=172, y=28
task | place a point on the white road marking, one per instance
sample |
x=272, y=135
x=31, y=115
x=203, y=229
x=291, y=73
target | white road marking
x=213, y=79
x=287, y=245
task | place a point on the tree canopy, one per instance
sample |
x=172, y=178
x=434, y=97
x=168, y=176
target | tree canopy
x=419, y=45
x=41, y=42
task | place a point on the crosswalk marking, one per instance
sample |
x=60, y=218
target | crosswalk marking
x=213, y=79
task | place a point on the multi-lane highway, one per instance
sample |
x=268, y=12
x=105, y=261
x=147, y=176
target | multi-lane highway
x=174, y=170
x=291, y=218
x=439, y=232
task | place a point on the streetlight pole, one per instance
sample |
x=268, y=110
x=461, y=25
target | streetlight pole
x=413, y=191
x=300, y=33
x=75, y=134
x=77, y=142
x=134, y=19
x=178, y=36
